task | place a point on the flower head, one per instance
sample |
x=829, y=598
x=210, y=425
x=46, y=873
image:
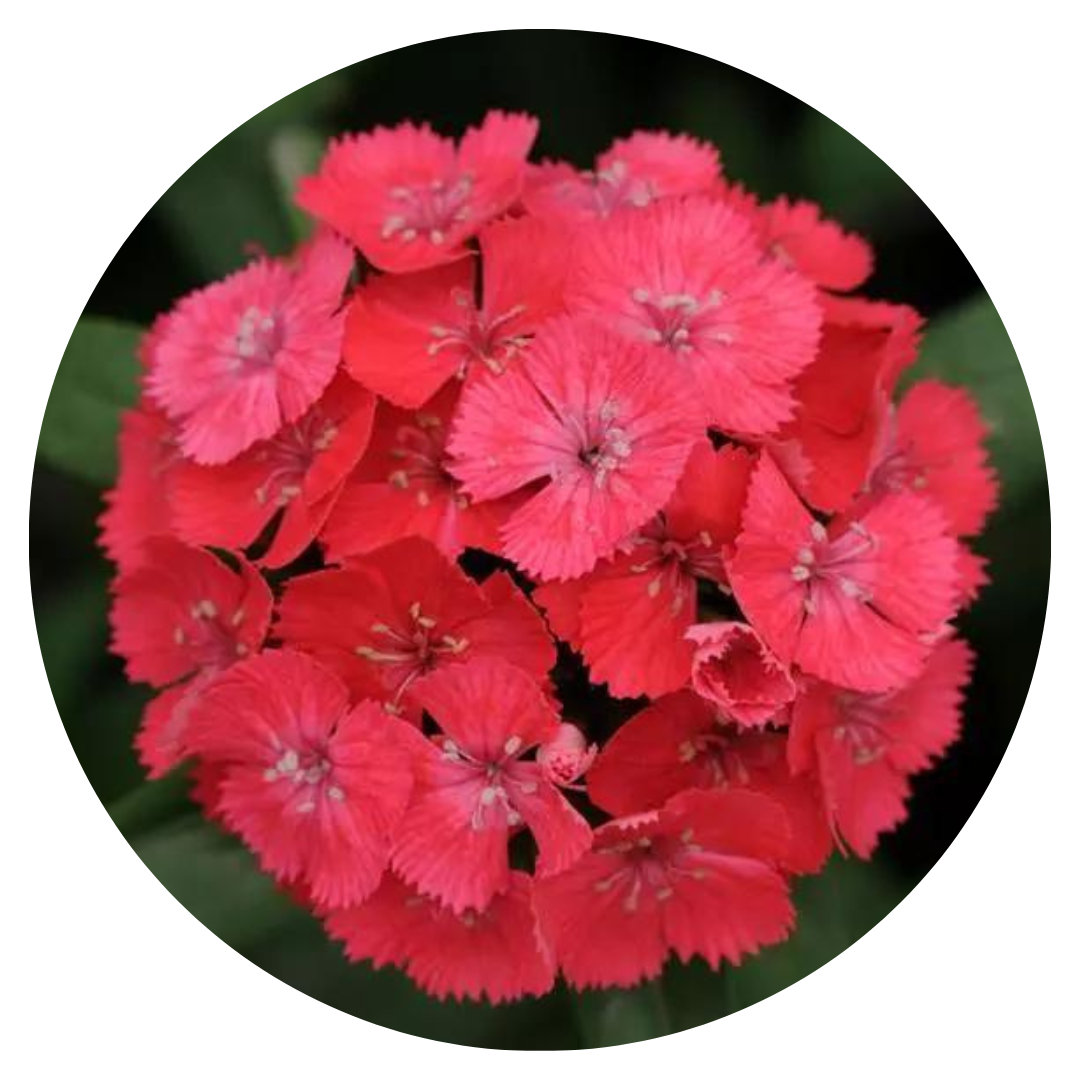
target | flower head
x=594, y=425
x=408, y=198
x=474, y=788
x=737, y=325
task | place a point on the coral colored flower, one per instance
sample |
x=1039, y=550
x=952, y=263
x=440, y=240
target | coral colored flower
x=567, y=756
x=797, y=234
x=494, y=954
x=402, y=487
x=601, y=426
x=473, y=789
x=403, y=611
x=736, y=325
x=632, y=173
x=312, y=785
x=138, y=506
x=181, y=617
x=629, y=616
x=863, y=747
x=407, y=335
x=680, y=742
x=298, y=473
x=240, y=358
x=698, y=877
x=903, y=326
x=408, y=198
x=734, y=669
x=935, y=446
x=827, y=449
x=857, y=604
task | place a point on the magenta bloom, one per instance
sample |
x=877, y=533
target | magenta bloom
x=238, y=359
x=408, y=198
x=600, y=425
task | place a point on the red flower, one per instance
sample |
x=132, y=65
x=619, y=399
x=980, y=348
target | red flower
x=177, y=620
x=863, y=747
x=935, y=446
x=631, y=174
x=680, y=742
x=315, y=787
x=494, y=954
x=859, y=603
x=566, y=756
x=696, y=878
x=138, y=506
x=473, y=789
x=240, y=358
x=598, y=428
x=408, y=199
x=402, y=487
x=737, y=325
x=403, y=611
x=629, y=616
x=734, y=669
x=299, y=473
x=408, y=335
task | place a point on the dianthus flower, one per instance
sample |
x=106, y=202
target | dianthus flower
x=495, y=953
x=698, y=877
x=313, y=785
x=298, y=473
x=408, y=335
x=473, y=788
x=387, y=618
x=408, y=198
x=240, y=358
x=139, y=506
x=629, y=616
x=631, y=173
x=858, y=603
x=402, y=487
x=178, y=619
x=681, y=742
x=737, y=325
x=863, y=747
x=602, y=428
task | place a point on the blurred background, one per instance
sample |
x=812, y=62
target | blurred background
x=586, y=89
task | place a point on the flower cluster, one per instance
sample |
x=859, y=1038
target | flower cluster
x=400, y=517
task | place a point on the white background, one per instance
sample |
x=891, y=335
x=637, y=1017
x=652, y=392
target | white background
x=105, y=104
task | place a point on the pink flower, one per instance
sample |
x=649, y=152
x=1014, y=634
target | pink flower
x=597, y=428
x=138, y=506
x=402, y=487
x=313, y=785
x=178, y=619
x=734, y=669
x=863, y=747
x=736, y=325
x=566, y=756
x=859, y=603
x=408, y=335
x=408, y=198
x=628, y=617
x=632, y=173
x=495, y=954
x=473, y=788
x=298, y=473
x=680, y=742
x=401, y=612
x=698, y=877
x=240, y=358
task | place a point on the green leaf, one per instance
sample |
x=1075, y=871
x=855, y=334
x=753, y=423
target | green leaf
x=614, y=1017
x=97, y=379
x=970, y=347
x=216, y=880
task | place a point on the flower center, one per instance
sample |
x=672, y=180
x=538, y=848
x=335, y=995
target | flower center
x=309, y=773
x=427, y=210
x=290, y=454
x=417, y=645
x=419, y=455
x=845, y=564
x=209, y=637
x=680, y=321
x=479, y=337
x=259, y=337
x=652, y=867
x=603, y=445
